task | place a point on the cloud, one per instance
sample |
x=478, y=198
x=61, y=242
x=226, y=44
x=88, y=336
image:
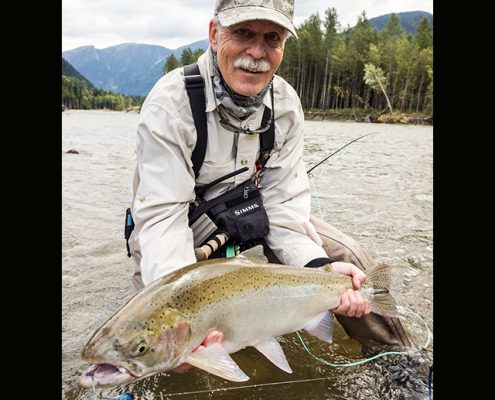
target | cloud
x=349, y=11
x=109, y=22
x=173, y=23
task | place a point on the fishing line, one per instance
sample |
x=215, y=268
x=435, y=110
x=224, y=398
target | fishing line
x=303, y=380
x=166, y=395
x=410, y=311
x=352, y=364
x=245, y=387
x=128, y=396
x=317, y=197
x=387, y=353
x=316, y=358
x=341, y=148
x=310, y=176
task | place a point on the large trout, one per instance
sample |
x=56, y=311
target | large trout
x=247, y=298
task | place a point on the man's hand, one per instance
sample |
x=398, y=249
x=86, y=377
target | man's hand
x=213, y=336
x=352, y=303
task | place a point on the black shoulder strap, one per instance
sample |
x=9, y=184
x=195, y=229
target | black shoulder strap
x=268, y=137
x=195, y=90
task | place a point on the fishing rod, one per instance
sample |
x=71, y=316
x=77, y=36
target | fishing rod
x=218, y=240
x=335, y=152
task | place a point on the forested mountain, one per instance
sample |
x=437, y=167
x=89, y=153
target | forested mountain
x=409, y=20
x=378, y=64
x=79, y=93
x=69, y=71
x=128, y=68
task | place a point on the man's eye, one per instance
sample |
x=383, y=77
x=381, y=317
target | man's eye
x=244, y=33
x=273, y=38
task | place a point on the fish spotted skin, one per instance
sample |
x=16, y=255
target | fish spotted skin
x=249, y=300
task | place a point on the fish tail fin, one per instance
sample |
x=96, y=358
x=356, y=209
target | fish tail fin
x=377, y=289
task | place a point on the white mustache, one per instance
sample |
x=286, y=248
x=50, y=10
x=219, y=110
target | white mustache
x=249, y=63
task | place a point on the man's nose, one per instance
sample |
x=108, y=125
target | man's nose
x=256, y=49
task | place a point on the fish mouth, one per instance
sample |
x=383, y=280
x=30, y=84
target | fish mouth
x=104, y=374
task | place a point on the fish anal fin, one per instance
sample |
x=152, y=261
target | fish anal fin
x=321, y=326
x=215, y=360
x=272, y=350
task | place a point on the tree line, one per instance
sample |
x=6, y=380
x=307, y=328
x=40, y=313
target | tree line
x=187, y=57
x=77, y=94
x=360, y=67
x=354, y=68
x=331, y=68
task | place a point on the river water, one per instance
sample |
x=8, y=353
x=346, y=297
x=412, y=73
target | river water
x=379, y=190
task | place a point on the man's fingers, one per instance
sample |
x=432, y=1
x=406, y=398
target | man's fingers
x=360, y=302
x=358, y=277
x=213, y=336
x=367, y=308
x=344, y=305
x=353, y=305
x=357, y=280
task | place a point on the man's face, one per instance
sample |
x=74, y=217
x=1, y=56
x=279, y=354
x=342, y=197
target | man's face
x=248, y=54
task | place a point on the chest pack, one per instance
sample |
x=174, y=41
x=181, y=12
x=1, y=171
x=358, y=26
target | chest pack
x=238, y=213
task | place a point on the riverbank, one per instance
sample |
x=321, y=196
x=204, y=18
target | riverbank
x=362, y=116
x=330, y=115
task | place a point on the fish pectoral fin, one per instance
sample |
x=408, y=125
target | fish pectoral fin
x=321, y=326
x=215, y=360
x=272, y=350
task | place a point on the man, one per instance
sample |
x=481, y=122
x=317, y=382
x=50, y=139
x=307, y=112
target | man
x=247, y=41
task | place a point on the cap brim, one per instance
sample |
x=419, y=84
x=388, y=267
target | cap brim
x=248, y=13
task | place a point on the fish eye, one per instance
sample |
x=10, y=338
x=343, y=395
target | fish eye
x=140, y=348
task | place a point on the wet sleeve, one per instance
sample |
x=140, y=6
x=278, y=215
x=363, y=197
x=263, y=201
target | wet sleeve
x=165, y=189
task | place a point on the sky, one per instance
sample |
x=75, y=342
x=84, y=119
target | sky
x=174, y=23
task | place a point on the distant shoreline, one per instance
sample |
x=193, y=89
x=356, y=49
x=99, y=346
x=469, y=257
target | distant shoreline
x=397, y=118
x=106, y=110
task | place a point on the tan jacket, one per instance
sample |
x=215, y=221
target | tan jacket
x=164, y=181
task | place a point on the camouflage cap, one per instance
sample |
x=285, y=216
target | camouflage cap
x=231, y=12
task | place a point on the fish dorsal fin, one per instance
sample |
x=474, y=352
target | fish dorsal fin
x=255, y=254
x=321, y=326
x=215, y=360
x=272, y=350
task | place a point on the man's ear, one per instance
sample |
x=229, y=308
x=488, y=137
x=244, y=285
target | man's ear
x=213, y=31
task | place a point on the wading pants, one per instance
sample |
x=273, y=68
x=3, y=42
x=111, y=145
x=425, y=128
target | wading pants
x=372, y=329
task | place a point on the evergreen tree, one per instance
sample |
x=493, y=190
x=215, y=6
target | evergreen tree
x=424, y=34
x=187, y=56
x=197, y=53
x=170, y=64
